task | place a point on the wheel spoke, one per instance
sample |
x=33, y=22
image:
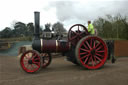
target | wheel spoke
x=73, y=37
x=36, y=62
x=91, y=43
x=33, y=67
x=97, y=44
x=89, y=60
x=92, y=61
x=74, y=32
x=37, y=65
x=98, y=58
x=27, y=66
x=85, y=56
x=84, y=50
x=102, y=51
x=83, y=53
x=86, y=59
x=78, y=28
x=82, y=33
x=88, y=44
x=85, y=46
x=95, y=59
x=99, y=54
x=99, y=48
x=33, y=56
x=94, y=45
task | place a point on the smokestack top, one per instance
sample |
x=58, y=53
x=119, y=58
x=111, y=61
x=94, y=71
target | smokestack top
x=36, y=12
x=37, y=25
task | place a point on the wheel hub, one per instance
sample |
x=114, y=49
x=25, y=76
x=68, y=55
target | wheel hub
x=93, y=51
x=29, y=61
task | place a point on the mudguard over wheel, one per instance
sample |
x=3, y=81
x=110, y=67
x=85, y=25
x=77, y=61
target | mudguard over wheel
x=30, y=61
x=91, y=52
x=46, y=59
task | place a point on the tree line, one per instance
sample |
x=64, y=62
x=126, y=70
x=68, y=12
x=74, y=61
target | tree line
x=21, y=29
x=114, y=27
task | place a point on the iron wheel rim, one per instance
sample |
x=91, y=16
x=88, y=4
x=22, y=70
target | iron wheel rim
x=89, y=60
x=34, y=57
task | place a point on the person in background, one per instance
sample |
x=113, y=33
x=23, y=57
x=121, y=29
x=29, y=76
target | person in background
x=91, y=28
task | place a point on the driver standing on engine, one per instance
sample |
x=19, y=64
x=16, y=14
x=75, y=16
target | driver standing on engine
x=91, y=28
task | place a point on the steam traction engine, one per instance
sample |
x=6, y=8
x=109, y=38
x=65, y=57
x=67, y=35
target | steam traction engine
x=88, y=51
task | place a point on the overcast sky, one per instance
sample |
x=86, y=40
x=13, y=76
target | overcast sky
x=68, y=12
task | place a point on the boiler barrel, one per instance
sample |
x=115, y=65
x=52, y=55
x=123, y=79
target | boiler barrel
x=51, y=45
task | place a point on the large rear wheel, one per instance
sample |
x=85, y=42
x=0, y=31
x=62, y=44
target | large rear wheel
x=91, y=52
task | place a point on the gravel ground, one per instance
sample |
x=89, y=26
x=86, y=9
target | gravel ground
x=62, y=72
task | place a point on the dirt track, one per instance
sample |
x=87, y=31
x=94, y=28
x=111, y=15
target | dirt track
x=62, y=72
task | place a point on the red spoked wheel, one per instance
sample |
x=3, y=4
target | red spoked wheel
x=30, y=61
x=91, y=52
x=76, y=32
x=46, y=59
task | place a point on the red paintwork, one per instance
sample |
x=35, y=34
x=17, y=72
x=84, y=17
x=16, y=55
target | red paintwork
x=89, y=60
x=54, y=46
x=36, y=61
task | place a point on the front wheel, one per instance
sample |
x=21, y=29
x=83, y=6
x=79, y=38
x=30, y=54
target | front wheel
x=91, y=52
x=30, y=61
